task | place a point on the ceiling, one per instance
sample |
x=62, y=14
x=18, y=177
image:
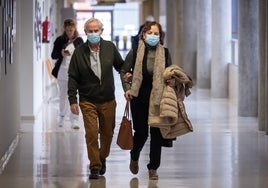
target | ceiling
x=94, y=2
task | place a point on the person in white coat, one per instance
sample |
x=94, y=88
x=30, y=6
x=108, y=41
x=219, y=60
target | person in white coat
x=63, y=49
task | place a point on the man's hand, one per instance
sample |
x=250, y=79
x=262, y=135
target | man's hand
x=75, y=109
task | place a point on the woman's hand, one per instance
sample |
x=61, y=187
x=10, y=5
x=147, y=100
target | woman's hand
x=127, y=95
x=65, y=53
x=171, y=82
x=128, y=77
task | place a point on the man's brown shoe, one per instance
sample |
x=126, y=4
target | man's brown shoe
x=134, y=166
x=153, y=175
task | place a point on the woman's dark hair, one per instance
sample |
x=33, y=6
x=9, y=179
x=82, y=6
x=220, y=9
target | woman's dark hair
x=72, y=23
x=147, y=27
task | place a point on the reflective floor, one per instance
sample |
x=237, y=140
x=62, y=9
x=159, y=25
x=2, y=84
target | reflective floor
x=224, y=151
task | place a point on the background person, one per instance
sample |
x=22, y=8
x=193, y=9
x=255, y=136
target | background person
x=64, y=46
x=91, y=73
x=135, y=39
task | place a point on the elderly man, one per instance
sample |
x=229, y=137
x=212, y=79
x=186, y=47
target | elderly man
x=91, y=75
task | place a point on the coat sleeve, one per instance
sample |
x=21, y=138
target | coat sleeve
x=127, y=67
x=118, y=60
x=73, y=79
x=56, y=52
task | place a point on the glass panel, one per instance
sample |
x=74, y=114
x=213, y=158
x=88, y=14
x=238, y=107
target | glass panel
x=106, y=19
x=81, y=18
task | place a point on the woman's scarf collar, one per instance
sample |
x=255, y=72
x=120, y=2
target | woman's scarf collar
x=159, y=67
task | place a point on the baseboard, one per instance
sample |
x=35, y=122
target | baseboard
x=27, y=118
x=31, y=117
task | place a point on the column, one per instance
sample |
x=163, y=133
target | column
x=263, y=67
x=221, y=47
x=248, y=58
x=203, y=19
x=174, y=30
x=189, y=47
x=148, y=9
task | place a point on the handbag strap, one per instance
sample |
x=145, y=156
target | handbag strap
x=127, y=111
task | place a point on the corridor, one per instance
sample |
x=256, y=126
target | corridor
x=224, y=151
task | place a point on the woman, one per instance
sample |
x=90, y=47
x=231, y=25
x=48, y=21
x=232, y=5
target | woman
x=63, y=49
x=147, y=64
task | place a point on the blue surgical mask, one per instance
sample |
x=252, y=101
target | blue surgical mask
x=93, y=38
x=152, y=40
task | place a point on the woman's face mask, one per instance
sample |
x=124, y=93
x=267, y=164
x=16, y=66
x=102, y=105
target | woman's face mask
x=93, y=38
x=152, y=39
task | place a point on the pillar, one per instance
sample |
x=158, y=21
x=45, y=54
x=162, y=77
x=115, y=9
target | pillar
x=148, y=9
x=263, y=67
x=163, y=17
x=221, y=47
x=203, y=19
x=174, y=30
x=189, y=47
x=248, y=58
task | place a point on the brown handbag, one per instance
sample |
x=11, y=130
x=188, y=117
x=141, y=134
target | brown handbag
x=125, y=135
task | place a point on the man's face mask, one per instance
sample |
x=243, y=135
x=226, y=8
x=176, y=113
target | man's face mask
x=93, y=38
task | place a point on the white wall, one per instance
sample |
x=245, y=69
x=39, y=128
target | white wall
x=30, y=58
x=9, y=100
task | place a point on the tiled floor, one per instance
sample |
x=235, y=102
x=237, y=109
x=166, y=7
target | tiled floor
x=224, y=151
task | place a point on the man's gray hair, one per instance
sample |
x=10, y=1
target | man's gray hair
x=91, y=20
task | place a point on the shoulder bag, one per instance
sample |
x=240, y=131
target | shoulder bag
x=125, y=135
